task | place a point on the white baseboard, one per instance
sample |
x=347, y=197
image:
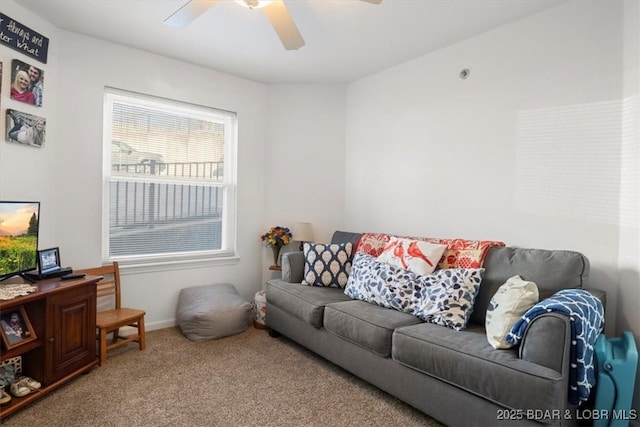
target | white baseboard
x=161, y=325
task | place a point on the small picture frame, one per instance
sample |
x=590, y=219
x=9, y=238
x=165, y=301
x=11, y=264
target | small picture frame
x=15, y=327
x=48, y=261
x=27, y=83
x=25, y=128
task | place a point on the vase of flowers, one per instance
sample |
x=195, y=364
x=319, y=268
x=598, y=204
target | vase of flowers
x=276, y=237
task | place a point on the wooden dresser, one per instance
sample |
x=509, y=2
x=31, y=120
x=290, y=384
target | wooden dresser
x=62, y=315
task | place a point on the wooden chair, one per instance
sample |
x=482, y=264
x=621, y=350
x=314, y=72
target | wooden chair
x=113, y=318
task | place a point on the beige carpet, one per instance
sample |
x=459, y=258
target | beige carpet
x=249, y=379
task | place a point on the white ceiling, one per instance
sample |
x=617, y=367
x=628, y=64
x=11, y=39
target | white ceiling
x=345, y=39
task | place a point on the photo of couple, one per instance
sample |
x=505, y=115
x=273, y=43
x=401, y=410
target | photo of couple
x=25, y=128
x=27, y=83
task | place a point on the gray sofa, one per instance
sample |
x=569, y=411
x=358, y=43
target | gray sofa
x=456, y=377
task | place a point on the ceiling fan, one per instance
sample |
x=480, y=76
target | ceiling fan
x=276, y=12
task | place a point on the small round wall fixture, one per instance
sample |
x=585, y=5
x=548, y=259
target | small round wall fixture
x=465, y=73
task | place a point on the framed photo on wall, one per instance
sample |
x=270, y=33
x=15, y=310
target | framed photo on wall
x=15, y=328
x=25, y=128
x=27, y=83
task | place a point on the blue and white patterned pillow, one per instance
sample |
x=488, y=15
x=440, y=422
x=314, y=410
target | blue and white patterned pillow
x=445, y=297
x=327, y=265
x=448, y=300
x=382, y=284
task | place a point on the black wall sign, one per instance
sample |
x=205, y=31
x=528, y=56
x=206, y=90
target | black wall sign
x=23, y=39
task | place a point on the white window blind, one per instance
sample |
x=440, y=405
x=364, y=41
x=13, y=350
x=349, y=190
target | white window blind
x=169, y=178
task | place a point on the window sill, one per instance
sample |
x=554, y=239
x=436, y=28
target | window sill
x=154, y=265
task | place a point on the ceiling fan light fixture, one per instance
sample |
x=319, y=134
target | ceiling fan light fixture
x=253, y=4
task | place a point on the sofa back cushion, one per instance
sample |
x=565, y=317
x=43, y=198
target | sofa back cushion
x=340, y=237
x=551, y=270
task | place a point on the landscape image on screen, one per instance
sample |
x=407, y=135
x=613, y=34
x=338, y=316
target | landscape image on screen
x=18, y=236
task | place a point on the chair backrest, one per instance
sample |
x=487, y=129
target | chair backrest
x=108, y=289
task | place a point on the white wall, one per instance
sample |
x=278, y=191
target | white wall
x=305, y=176
x=304, y=179
x=290, y=158
x=66, y=175
x=628, y=314
x=524, y=150
x=529, y=149
x=24, y=170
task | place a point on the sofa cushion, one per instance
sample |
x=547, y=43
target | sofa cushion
x=304, y=302
x=466, y=360
x=413, y=255
x=510, y=302
x=366, y=325
x=551, y=270
x=327, y=265
x=346, y=236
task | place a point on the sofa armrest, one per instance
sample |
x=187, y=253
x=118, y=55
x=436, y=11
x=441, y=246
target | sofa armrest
x=600, y=294
x=547, y=341
x=292, y=267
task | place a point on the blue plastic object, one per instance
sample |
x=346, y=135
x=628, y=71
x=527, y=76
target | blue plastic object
x=616, y=366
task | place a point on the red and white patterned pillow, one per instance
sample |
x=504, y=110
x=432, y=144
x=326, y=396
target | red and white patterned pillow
x=372, y=243
x=460, y=253
x=414, y=255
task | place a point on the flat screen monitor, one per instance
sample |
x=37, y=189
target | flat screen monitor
x=19, y=223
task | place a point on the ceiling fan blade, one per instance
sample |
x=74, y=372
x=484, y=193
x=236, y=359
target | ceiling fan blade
x=373, y=1
x=282, y=22
x=188, y=12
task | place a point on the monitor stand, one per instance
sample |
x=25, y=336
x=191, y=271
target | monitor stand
x=29, y=277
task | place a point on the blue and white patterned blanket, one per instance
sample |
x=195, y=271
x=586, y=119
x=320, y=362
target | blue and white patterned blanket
x=587, y=319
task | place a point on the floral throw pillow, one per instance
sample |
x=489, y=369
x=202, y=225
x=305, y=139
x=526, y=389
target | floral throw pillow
x=413, y=255
x=460, y=253
x=445, y=297
x=449, y=300
x=372, y=243
x=327, y=264
x=382, y=284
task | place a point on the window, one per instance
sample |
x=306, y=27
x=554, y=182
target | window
x=169, y=179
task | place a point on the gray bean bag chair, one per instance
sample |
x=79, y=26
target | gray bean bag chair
x=212, y=311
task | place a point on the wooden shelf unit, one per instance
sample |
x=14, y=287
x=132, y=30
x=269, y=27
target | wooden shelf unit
x=63, y=316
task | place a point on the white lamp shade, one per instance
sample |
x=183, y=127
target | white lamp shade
x=302, y=232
